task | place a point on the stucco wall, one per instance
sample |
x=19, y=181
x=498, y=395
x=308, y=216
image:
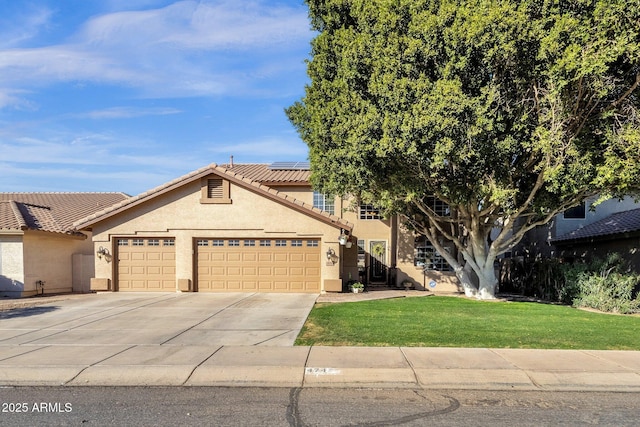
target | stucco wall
x=180, y=214
x=48, y=258
x=11, y=266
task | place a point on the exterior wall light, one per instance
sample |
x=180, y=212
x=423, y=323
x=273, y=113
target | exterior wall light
x=331, y=254
x=343, y=238
x=103, y=252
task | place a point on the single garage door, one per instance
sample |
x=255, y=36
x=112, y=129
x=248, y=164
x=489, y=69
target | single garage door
x=258, y=265
x=146, y=264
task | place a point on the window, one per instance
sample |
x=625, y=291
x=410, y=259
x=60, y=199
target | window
x=202, y=242
x=215, y=190
x=217, y=242
x=123, y=242
x=324, y=202
x=153, y=242
x=312, y=243
x=427, y=257
x=438, y=206
x=138, y=242
x=281, y=243
x=577, y=212
x=265, y=243
x=296, y=243
x=361, y=254
x=369, y=212
x=249, y=242
x=168, y=242
x=234, y=243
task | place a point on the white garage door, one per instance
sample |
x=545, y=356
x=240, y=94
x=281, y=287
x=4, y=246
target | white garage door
x=258, y=265
x=146, y=264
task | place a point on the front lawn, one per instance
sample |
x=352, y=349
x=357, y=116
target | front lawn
x=459, y=322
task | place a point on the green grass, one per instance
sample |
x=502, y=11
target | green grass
x=459, y=322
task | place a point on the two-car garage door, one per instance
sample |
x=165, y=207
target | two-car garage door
x=222, y=265
x=258, y=265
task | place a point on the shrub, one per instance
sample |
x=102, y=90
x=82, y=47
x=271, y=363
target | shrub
x=604, y=285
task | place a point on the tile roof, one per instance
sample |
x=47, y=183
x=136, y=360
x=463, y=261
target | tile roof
x=263, y=174
x=617, y=223
x=53, y=212
x=233, y=174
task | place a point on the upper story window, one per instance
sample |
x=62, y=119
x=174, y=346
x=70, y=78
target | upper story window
x=215, y=190
x=576, y=212
x=324, y=202
x=439, y=207
x=369, y=212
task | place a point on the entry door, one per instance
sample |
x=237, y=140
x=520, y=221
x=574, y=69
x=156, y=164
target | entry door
x=377, y=261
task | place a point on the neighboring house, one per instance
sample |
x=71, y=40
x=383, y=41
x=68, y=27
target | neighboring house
x=40, y=251
x=588, y=231
x=253, y=228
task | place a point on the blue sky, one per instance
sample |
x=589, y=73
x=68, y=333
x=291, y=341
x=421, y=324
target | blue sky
x=124, y=95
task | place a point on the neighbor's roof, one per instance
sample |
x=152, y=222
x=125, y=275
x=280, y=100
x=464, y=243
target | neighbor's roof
x=52, y=212
x=274, y=174
x=234, y=175
x=617, y=223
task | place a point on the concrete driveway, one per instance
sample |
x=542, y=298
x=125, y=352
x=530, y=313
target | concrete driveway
x=186, y=319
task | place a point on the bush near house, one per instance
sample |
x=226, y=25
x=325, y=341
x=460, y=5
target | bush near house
x=607, y=285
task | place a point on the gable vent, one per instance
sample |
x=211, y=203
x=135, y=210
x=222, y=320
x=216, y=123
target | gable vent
x=214, y=188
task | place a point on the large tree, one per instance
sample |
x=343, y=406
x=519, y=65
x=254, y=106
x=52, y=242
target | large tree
x=509, y=111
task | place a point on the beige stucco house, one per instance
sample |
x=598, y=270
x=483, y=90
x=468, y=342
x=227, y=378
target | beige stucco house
x=252, y=228
x=40, y=251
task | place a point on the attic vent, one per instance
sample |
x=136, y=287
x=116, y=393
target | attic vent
x=215, y=189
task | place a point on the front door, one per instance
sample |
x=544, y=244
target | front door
x=377, y=261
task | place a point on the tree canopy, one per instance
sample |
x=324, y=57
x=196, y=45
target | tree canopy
x=509, y=111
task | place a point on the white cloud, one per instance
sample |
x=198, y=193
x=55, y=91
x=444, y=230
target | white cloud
x=16, y=28
x=126, y=113
x=185, y=49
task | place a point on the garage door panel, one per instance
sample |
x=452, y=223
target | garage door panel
x=281, y=257
x=288, y=267
x=280, y=271
x=138, y=256
x=265, y=271
x=234, y=256
x=265, y=257
x=249, y=257
x=265, y=286
x=296, y=257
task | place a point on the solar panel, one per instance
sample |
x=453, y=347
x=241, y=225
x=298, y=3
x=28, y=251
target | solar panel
x=299, y=166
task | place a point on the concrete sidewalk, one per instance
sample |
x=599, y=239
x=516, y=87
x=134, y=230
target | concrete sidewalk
x=386, y=367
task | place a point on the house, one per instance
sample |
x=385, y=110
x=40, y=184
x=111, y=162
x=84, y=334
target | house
x=588, y=231
x=252, y=228
x=40, y=251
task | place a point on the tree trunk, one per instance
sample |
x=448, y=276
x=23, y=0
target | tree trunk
x=488, y=283
x=466, y=277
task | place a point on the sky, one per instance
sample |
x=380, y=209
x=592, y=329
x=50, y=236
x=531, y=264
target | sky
x=125, y=95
